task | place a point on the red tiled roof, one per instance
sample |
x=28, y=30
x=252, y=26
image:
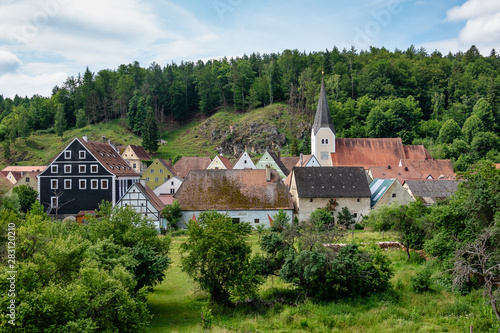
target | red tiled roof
x=226, y=162
x=435, y=168
x=245, y=189
x=290, y=162
x=38, y=168
x=186, y=164
x=401, y=173
x=416, y=152
x=167, y=199
x=109, y=158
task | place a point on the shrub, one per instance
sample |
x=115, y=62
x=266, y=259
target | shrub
x=421, y=282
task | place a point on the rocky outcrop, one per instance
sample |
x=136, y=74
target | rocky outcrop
x=255, y=135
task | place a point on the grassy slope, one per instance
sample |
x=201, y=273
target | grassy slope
x=186, y=140
x=177, y=304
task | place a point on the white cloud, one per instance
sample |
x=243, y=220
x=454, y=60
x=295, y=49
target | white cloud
x=25, y=85
x=482, y=27
x=9, y=62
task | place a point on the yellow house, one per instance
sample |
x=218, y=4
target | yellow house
x=158, y=172
x=135, y=157
x=29, y=178
x=220, y=163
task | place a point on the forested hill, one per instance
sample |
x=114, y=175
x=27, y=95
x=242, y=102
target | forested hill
x=449, y=102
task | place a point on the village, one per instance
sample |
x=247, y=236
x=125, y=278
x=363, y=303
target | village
x=360, y=174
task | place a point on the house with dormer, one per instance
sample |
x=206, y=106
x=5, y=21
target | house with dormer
x=313, y=188
x=82, y=175
x=136, y=156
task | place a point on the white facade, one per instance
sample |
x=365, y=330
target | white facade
x=254, y=217
x=323, y=145
x=170, y=186
x=136, y=199
x=244, y=162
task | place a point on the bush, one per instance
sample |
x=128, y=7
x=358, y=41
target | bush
x=358, y=226
x=421, y=282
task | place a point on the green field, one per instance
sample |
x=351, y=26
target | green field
x=177, y=304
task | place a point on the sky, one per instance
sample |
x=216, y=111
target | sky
x=43, y=42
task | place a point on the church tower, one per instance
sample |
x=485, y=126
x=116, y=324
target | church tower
x=323, y=132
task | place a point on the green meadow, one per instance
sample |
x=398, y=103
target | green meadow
x=177, y=304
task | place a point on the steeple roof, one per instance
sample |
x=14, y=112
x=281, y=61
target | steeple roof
x=323, y=117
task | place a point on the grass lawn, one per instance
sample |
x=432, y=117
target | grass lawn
x=177, y=304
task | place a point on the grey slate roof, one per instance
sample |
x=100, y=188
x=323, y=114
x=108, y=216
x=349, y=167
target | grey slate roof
x=323, y=117
x=432, y=188
x=331, y=182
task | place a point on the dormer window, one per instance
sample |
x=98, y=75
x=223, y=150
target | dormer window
x=67, y=154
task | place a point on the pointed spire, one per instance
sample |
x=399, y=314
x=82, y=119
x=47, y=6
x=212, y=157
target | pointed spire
x=323, y=117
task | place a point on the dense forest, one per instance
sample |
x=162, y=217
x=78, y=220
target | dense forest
x=449, y=103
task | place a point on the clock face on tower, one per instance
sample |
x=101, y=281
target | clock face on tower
x=324, y=155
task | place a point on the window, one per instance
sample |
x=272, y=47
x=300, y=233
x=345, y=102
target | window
x=27, y=179
x=172, y=183
x=67, y=154
x=147, y=179
x=93, y=168
x=168, y=177
x=67, y=184
x=311, y=200
x=81, y=154
x=245, y=162
x=358, y=200
x=324, y=155
x=67, y=169
x=94, y=183
x=152, y=170
x=322, y=141
x=256, y=221
x=394, y=195
x=53, y=202
x=161, y=170
x=355, y=215
x=172, y=191
x=326, y=141
x=164, y=179
x=104, y=184
x=156, y=179
x=236, y=220
x=53, y=184
x=134, y=165
x=54, y=169
x=82, y=168
x=83, y=184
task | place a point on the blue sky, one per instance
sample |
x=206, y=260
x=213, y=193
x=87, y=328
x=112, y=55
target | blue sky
x=42, y=42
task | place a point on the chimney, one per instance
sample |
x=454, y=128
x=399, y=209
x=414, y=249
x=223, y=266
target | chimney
x=301, y=159
x=279, y=155
x=268, y=173
x=170, y=161
x=85, y=138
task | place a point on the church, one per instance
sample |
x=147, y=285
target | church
x=369, y=153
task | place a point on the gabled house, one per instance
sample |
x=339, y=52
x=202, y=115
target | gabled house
x=145, y=202
x=82, y=175
x=186, y=164
x=431, y=190
x=289, y=161
x=14, y=173
x=244, y=162
x=436, y=169
x=136, y=156
x=274, y=162
x=387, y=191
x=246, y=195
x=312, y=188
x=220, y=163
x=169, y=187
x=158, y=173
x=29, y=179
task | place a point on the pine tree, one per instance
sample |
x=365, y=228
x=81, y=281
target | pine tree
x=81, y=118
x=306, y=147
x=150, y=132
x=60, y=120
